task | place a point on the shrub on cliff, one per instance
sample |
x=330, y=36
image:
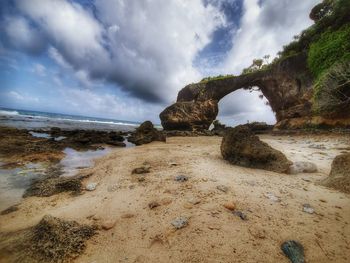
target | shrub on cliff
x=331, y=47
x=332, y=91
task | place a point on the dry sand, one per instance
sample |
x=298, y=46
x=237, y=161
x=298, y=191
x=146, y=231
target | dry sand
x=213, y=233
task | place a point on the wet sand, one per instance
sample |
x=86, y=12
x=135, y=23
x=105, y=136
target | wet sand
x=272, y=202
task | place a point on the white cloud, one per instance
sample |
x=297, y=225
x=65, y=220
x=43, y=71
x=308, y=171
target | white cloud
x=265, y=28
x=21, y=36
x=145, y=47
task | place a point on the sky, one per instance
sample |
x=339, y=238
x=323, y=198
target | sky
x=127, y=59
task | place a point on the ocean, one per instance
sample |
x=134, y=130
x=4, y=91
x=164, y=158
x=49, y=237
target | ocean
x=34, y=120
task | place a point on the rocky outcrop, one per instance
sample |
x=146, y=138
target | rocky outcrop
x=339, y=177
x=241, y=147
x=287, y=85
x=146, y=133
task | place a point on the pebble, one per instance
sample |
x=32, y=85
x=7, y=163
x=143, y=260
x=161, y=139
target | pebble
x=241, y=215
x=141, y=170
x=194, y=201
x=308, y=209
x=302, y=167
x=294, y=251
x=272, y=197
x=108, y=224
x=230, y=206
x=180, y=222
x=91, y=186
x=153, y=204
x=222, y=188
x=181, y=178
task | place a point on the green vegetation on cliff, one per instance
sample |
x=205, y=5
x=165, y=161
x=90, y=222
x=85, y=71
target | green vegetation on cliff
x=330, y=48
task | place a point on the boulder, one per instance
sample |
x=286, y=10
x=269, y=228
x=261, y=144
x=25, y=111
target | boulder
x=185, y=115
x=240, y=146
x=339, y=177
x=146, y=133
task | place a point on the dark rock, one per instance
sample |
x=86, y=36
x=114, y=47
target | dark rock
x=259, y=127
x=55, y=185
x=294, y=251
x=189, y=115
x=9, y=210
x=181, y=178
x=51, y=240
x=241, y=215
x=153, y=205
x=141, y=170
x=339, y=177
x=146, y=133
x=241, y=147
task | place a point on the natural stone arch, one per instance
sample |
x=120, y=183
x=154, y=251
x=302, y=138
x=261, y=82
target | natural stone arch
x=286, y=86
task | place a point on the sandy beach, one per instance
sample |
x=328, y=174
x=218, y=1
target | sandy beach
x=136, y=211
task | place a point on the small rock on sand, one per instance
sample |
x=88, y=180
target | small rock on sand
x=241, y=215
x=153, y=205
x=141, y=170
x=108, y=224
x=308, y=209
x=180, y=222
x=222, y=188
x=302, y=167
x=272, y=197
x=230, y=206
x=91, y=186
x=294, y=251
x=181, y=178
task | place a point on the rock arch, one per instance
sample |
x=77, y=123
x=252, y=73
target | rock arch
x=287, y=85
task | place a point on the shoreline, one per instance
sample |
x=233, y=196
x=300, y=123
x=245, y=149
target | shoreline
x=213, y=233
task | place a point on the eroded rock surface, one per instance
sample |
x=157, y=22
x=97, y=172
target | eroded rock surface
x=146, y=133
x=241, y=147
x=286, y=85
x=339, y=177
x=51, y=240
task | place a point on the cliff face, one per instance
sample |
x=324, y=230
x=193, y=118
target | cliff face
x=287, y=86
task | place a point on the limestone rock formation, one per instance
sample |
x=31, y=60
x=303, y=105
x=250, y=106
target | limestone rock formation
x=146, y=133
x=189, y=115
x=339, y=177
x=286, y=85
x=241, y=147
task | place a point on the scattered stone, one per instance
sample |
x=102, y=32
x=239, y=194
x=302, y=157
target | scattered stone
x=180, y=222
x=91, y=186
x=294, y=251
x=222, y=188
x=188, y=206
x=230, y=206
x=112, y=188
x=181, y=178
x=146, y=133
x=272, y=197
x=9, y=210
x=128, y=215
x=194, y=201
x=240, y=146
x=241, y=215
x=339, y=177
x=153, y=205
x=308, y=209
x=302, y=167
x=142, y=170
x=108, y=224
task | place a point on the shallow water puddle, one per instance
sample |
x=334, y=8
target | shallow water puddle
x=13, y=183
x=75, y=160
x=46, y=136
